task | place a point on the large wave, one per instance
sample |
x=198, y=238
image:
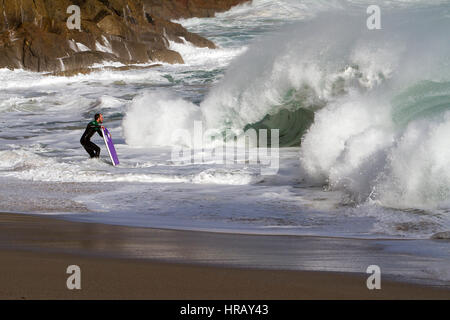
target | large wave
x=369, y=108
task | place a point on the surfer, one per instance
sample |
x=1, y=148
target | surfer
x=92, y=127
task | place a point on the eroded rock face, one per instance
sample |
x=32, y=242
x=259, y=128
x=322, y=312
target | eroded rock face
x=34, y=34
x=176, y=9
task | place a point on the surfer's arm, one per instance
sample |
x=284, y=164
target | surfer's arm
x=99, y=130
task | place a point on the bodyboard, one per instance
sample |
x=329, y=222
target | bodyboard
x=110, y=147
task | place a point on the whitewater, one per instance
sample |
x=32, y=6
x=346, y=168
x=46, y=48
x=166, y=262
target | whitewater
x=363, y=119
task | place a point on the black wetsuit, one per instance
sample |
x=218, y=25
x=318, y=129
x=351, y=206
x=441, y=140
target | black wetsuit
x=91, y=148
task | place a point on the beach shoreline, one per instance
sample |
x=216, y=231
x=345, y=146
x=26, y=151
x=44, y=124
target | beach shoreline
x=139, y=263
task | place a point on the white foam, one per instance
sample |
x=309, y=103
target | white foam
x=354, y=144
x=205, y=57
x=20, y=79
x=227, y=177
x=82, y=48
x=154, y=118
x=257, y=81
x=262, y=12
x=108, y=102
x=105, y=47
x=28, y=165
x=418, y=174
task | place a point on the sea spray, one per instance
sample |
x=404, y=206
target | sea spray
x=153, y=118
x=352, y=79
x=227, y=148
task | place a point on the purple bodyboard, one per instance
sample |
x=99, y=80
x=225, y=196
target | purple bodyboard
x=110, y=146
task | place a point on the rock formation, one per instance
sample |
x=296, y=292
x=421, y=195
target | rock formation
x=34, y=34
x=177, y=9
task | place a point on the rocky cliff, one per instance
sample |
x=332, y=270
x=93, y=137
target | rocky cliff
x=34, y=34
x=177, y=9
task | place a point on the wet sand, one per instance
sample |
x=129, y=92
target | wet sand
x=136, y=263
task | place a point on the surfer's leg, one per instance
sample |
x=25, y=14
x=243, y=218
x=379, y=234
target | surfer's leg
x=96, y=150
x=90, y=148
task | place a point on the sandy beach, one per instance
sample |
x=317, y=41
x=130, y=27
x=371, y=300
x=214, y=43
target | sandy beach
x=130, y=263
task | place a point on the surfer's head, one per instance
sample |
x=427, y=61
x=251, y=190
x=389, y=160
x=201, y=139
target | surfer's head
x=99, y=117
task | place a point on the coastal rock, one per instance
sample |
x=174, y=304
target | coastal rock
x=441, y=236
x=112, y=25
x=170, y=56
x=34, y=34
x=177, y=9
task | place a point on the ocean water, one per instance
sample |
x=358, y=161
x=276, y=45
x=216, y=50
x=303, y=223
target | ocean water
x=363, y=119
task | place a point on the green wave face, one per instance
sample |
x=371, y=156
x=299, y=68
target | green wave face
x=427, y=99
x=292, y=125
x=292, y=118
x=424, y=100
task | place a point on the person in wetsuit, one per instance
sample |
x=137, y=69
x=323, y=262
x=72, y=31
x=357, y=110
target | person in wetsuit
x=92, y=127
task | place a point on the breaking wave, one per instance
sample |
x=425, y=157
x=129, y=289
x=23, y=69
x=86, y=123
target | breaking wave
x=370, y=109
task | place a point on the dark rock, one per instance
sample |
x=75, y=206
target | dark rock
x=176, y=9
x=166, y=55
x=441, y=236
x=34, y=33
